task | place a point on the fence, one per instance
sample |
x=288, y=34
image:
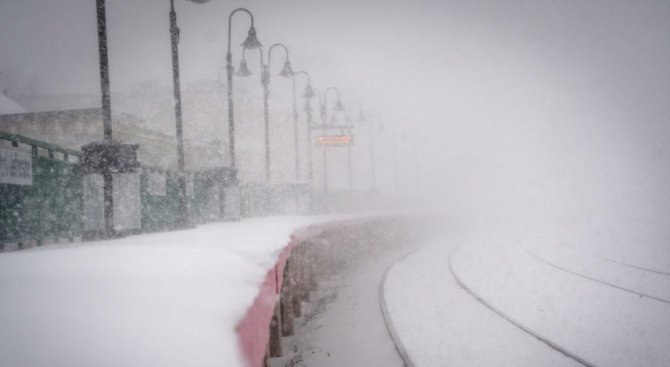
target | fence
x=40, y=191
x=41, y=194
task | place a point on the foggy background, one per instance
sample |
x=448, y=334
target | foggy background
x=541, y=114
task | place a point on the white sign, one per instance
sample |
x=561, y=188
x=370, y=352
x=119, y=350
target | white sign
x=156, y=183
x=16, y=166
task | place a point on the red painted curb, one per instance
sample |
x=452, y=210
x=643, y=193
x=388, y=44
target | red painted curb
x=253, y=330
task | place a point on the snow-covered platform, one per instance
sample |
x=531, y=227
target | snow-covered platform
x=164, y=299
x=505, y=303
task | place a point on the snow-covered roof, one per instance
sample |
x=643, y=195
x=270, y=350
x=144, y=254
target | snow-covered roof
x=8, y=106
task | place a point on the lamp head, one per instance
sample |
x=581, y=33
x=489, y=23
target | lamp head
x=309, y=92
x=243, y=70
x=251, y=42
x=308, y=106
x=287, y=70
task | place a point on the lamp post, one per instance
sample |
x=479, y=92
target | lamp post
x=324, y=110
x=308, y=94
x=106, y=113
x=286, y=72
x=251, y=43
x=109, y=163
x=361, y=118
x=372, y=153
x=183, y=197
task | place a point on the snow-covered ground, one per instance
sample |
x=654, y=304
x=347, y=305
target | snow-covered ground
x=164, y=299
x=528, y=301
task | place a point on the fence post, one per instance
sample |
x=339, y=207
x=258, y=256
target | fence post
x=294, y=275
x=275, y=333
x=286, y=301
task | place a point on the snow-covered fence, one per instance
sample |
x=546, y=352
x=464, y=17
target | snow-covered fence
x=40, y=190
x=41, y=194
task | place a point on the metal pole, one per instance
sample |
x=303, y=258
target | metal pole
x=395, y=169
x=265, y=80
x=231, y=117
x=325, y=167
x=297, y=153
x=266, y=116
x=106, y=114
x=324, y=111
x=310, y=169
x=295, y=136
x=308, y=130
x=104, y=71
x=372, y=156
x=351, y=181
x=174, y=38
x=229, y=77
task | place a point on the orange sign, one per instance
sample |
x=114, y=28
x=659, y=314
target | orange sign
x=334, y=140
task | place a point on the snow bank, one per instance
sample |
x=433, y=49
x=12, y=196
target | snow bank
x=164, y=299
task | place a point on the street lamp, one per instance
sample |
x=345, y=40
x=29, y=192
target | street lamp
x=308, y=94
x=372, y=148
x=339, y=107
x=251, y=43
x=286, y=72
x=361, y=117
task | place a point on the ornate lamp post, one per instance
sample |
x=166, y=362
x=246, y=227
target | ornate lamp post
x=251, y=43
x=339, y=107
x=361, y=118
x=372, y=148
x=286, y=72
x=229, y=191
x=308, y=94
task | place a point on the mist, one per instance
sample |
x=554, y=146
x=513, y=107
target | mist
x=554, y=114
